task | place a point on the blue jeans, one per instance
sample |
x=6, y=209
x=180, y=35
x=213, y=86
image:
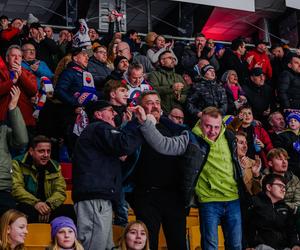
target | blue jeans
x=228, y=214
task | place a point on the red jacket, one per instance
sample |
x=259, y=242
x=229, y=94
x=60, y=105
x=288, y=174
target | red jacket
x=9, y=33
x=262, y=59
x=28, y=86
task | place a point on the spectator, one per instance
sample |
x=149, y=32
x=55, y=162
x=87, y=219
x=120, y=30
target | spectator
x=38, y=185
x=44, y=46
x=194, y=52
x=250, y=167
x=15, y=74
x=112, y=52
x=136, y=83
x=14, y=137
x=289, y=140
x=116, y=93
x=121, y=65
x=277, y=125
x=149, y=39
x=49, y=32
x=259, y=96
x=197, y=69
x=289, y=84
x=233, y=59
x=101, y=142
x=13, y=228
x=234, y=92
x=271, y=232
x=278, y=61
x=131, y=37
x=168, y=84
x=64, y=234
x=176, y=115
x=97, y=67
x=218, y=187
x=37, y=67
x=4, y=22
x=63, y=43
x=158, y=47
x=258, y=57
x=207, y=92
x=259, y=142
x=134, y=237
x=123, y=49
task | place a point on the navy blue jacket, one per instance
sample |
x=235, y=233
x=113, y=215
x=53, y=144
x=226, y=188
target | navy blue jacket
x=96, y=164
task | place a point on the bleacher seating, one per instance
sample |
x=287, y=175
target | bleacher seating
x=38, y=237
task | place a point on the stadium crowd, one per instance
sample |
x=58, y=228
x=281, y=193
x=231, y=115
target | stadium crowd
x=159, y=126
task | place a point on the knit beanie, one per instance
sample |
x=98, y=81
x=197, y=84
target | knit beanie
x=61, y=222
x=205, y=69
x=117, y=60
x=293, y=115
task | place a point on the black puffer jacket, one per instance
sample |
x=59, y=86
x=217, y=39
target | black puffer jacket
x=271, y=224
x=289, y=89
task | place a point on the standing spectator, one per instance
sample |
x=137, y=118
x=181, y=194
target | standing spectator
x=258, y=57
x=3, y=22
x=13, y=137
x=38, y=185
x=96, y=155
x=207, y=92
x=131, y=37
x=218, y=187
x=136, y=83
x=194, y=52
x=166, y=82
x=37, y=67
x=149, y=39
x=289, y=84
x=290, y=141
x=49, y=32
x=271, y=224
x=112, y=52
x=15, y=74
x=44, y=46
x=259, y=95
x=97, y=67
x=278, y=61
x=233, y=59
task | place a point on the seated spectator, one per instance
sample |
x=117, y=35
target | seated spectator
x=270, y=221
x=37, y=67
x=289, y=84
x=277, y=125
x=160, y=46
x=207, y=92
x=167, y=82
x=289, y=140
x=45, y=47
x=116, y=93
x=13, y=228
x=13, y=138
x=234, y=92
x=15, y=74
x=250, y=167
x=259, y=142
x=121, y=65
x=64, y=234
x=258, y=57
x=97, y=67
x=136, y=83
x=134, y=237
x=123, y=49
x=176, y=115
x=38, y=185
x=197, y=69
x=259, y=96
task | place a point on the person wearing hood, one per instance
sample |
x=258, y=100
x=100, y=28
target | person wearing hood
x=207, y=92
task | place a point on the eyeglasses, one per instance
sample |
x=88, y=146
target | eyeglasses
x=101, y=52
x=281, y=186
x=169, y=57
x=180, y=118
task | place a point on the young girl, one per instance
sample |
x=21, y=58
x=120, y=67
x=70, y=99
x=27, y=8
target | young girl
x=63, y=234
x=135, y=237
x=13, y=229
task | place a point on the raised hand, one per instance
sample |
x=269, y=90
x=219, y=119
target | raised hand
x=15, y=94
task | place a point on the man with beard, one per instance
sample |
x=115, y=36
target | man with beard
x=156, y=199
x=38, y=185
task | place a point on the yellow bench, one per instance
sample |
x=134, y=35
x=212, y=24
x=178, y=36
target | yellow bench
x=38, y=237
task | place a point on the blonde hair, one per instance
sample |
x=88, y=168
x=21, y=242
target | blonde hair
x=122, y=241
x=7, y=219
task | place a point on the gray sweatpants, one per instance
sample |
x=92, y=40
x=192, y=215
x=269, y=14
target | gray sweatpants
x=94, y=224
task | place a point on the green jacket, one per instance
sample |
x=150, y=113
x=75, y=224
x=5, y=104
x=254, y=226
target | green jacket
x=14, y=137
x=25, y=184
x=162, y=81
